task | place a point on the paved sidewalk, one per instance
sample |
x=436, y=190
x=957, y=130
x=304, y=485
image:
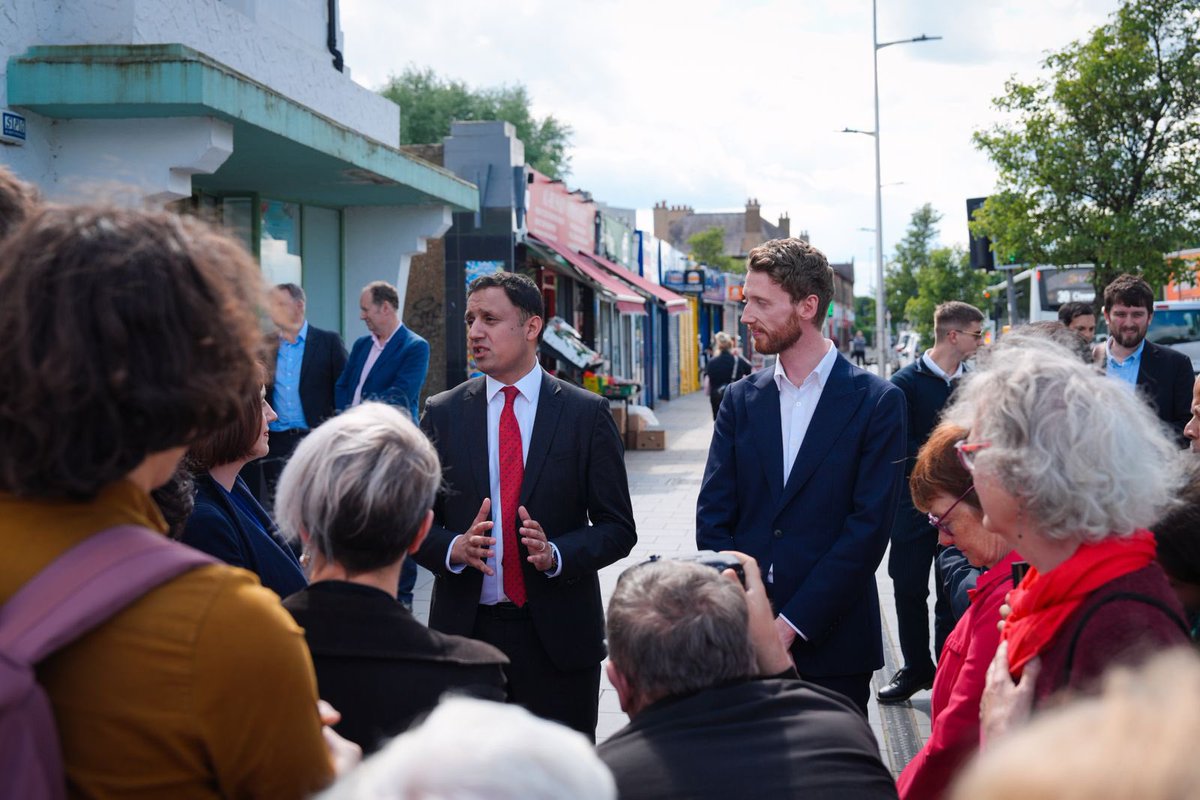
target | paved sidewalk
x=663, y=486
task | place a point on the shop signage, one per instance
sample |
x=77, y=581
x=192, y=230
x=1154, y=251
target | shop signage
x=14, y=128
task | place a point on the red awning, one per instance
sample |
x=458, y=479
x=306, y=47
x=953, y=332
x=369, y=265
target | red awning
x=628, y=301
x=674, y=303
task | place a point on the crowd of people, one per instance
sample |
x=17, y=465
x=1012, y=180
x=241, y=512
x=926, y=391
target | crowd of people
x=209, y=532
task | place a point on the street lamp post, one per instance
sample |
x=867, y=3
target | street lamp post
x=880, y=304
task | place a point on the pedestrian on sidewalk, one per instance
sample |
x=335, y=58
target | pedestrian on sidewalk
x=723, y=369
x=858, y=349
x=804, y=473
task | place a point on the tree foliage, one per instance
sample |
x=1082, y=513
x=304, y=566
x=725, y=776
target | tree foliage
x=708, y=247
x=429, y=103
x=923, y=275
x=912, y=254
x=1100, y=163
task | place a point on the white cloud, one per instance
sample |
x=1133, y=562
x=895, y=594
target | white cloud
x=709, y=102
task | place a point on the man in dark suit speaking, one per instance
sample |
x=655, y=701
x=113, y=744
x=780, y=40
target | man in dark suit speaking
x=714, y=705
x=305, y=365
x=535, y=502
x=804, y=472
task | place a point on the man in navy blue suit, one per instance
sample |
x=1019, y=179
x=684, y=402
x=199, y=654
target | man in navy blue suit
x=388, y=365
x=804, y=473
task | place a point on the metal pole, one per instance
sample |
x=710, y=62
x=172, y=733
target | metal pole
x=881, y=333
x=1011, y=288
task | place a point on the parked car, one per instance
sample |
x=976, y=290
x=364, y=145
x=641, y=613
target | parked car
x=1176, y=324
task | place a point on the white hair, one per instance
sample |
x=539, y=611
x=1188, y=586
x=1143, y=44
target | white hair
x=360, y=486
x=1084, y=455
x=472, y=749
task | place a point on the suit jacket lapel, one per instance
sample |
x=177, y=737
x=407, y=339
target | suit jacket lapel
x=839, y=401
x=762, y=409
x=307, y=358
x=550, y=404
x=475, y=435
x=1144, y=378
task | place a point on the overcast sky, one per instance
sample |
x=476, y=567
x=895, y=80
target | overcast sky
x=707, y=103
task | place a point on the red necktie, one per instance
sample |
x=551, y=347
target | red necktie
x=512, y=472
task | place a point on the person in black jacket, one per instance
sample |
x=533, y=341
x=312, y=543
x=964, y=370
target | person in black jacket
x=723, y=369
x=715, y=707
x=358, y=494
x=927, y=384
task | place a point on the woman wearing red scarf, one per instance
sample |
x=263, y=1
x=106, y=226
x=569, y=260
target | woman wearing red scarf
x=1071, y=467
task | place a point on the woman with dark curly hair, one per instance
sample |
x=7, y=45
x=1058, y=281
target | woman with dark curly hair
x=123, y=335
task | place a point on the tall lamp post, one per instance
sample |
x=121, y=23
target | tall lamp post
x=880, y=305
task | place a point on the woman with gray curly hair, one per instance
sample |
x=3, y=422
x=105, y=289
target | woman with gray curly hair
x=1071, y=469
x=358, y=494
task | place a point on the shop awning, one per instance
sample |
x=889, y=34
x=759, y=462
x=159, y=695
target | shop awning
x=628, y=302
x=674, y=303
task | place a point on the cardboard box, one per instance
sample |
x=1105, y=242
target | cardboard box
x=651, y=440
x=636, y=423
x=618, y=412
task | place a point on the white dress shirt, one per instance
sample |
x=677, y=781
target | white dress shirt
x=797, y=404
x=933, y=367
x=529, y=388
x=377, y=348
x=796, y=407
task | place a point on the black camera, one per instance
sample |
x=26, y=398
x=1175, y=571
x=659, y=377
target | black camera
x=718, y=561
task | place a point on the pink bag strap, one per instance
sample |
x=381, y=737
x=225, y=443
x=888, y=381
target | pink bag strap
x=87, y=585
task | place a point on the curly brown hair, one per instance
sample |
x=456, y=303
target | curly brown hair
x=122, y=333
x=798, y=267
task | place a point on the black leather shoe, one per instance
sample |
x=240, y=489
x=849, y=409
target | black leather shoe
x=905, y=683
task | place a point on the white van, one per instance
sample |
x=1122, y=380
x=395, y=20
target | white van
x=1176, y=323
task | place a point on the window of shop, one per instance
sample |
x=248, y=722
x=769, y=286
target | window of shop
x=279, y=242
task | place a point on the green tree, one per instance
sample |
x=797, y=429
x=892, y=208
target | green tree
x=912, y=253
x=946, y=275
x=864, y=317
x=429, y=103
x=1101, y=161
x=708, y=247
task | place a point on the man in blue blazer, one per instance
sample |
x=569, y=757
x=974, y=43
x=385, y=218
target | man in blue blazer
x=388, y=365
x=804, y=473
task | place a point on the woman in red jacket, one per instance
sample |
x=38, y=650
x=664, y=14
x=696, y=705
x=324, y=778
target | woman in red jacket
x=942, y=487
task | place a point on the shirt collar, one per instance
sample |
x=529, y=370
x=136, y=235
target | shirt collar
x=822, y=370
x=1133, y=357
x=528, y=386
x=384, y=343
x=932, y=366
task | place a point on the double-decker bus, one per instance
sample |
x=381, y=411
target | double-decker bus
x=1041, y=291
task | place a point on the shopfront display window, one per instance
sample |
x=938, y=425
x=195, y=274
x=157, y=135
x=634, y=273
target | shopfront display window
x=279, y=244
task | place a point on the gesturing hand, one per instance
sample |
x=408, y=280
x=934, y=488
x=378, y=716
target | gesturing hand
x=541, y=554
x=476, y=544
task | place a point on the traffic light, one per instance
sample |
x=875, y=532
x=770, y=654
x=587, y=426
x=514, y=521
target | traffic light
x=981, y=247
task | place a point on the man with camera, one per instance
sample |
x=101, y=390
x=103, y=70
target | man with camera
x=715, y=707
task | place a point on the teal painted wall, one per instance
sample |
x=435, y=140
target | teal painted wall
x=322, y=249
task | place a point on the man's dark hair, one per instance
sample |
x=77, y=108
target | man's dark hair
x=122, y=333
x=1067, y=312
x=954, y=315
x=798, y=267
x=294, y=291
x=1178, y=534
x=521, y=291
x=1129, y=290
x=17, y=201
x=383, y=292
x=234, y=441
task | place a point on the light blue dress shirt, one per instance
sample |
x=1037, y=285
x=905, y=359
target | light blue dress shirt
x=1127, y=370
x=286, y=401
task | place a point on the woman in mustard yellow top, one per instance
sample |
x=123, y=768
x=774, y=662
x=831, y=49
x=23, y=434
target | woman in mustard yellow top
x=122, y=336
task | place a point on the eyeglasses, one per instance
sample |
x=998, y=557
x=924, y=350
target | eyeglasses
x=938, y=522
x=976, y=334
x=967, y=452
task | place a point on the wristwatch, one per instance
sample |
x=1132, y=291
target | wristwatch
x=553, y=557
